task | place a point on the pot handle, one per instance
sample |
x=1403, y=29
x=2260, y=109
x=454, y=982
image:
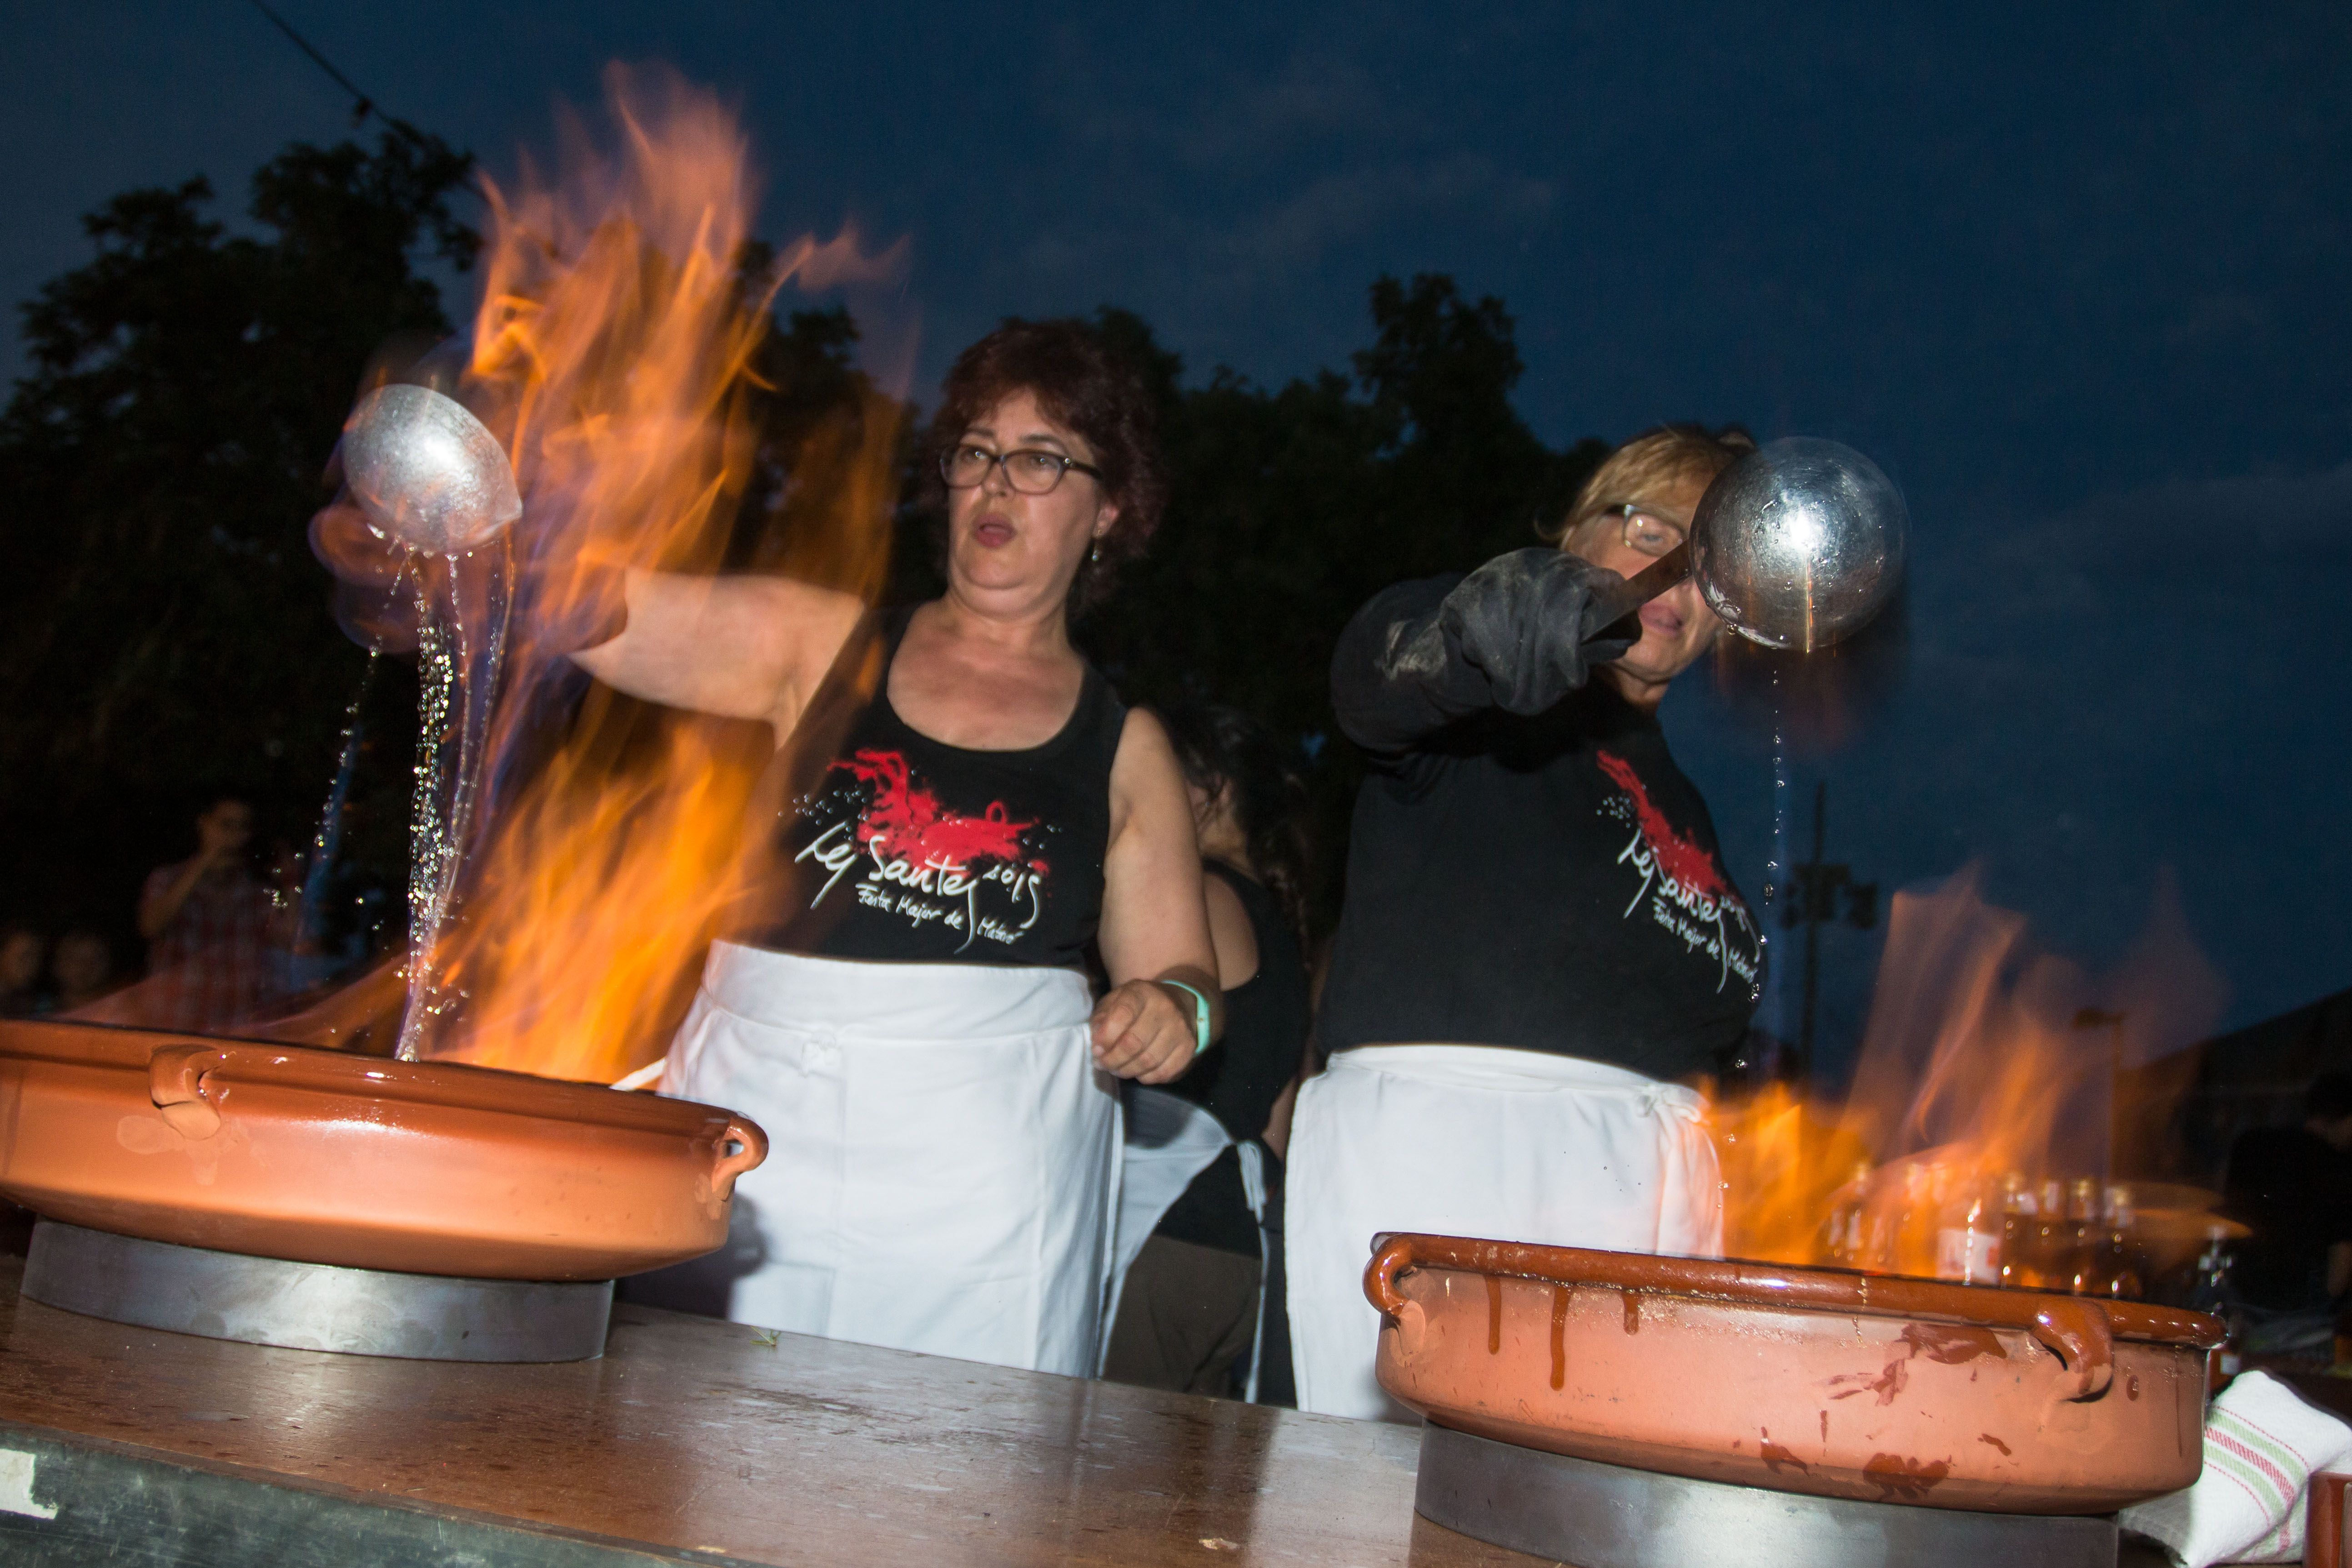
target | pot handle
x=175, y=1082
x=745, y=1131
x=1391, y=1258
x=2078, y=1334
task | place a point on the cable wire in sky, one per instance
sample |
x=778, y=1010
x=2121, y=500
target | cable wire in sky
x=361, y=104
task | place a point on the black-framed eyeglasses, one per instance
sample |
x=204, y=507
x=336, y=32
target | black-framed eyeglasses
x=1649, y=533
x=1032, y=470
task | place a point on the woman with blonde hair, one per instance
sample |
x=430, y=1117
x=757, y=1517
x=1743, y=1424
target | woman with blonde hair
x=1540, y=938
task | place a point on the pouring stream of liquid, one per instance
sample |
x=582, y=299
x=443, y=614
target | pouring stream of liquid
x=461, y=646
x=328, y=838
x=1778, y=883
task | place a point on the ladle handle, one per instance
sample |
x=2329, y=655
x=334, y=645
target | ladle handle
x=1614, y=610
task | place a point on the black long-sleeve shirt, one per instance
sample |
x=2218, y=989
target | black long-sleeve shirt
x=1551, y=882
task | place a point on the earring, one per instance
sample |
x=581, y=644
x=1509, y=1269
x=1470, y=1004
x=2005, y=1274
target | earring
x=1094, y=555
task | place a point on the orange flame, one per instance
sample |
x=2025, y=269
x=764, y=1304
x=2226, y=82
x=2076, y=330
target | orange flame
x=618, y=344
x=1980, y=1059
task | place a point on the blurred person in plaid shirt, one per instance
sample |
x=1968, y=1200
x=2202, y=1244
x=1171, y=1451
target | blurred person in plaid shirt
x=212, y=929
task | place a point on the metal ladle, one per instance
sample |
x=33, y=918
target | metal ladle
x=425, y=471
x=1797, y=545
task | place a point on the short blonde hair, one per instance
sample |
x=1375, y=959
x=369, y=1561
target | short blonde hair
x=1657, y=460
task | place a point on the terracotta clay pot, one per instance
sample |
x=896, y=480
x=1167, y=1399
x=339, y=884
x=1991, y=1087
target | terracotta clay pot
x=323, y=1157
x=1806, y=1380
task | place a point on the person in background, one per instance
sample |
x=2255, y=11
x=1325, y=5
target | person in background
x=211, y=927
x=2293, y=1187
x=83, y=968
x=1539, y=936
x=21, y=951
x=1198, y=1171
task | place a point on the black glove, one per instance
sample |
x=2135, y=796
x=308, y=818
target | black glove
x=1526, y=622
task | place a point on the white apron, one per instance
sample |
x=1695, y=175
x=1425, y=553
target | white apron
x=942, y=1152
x=1509, y=1145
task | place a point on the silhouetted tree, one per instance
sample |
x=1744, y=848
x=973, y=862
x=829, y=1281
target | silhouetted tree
x=164, y=629
x=1290, y=508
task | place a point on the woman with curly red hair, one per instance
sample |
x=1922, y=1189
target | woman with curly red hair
x=908, y=1016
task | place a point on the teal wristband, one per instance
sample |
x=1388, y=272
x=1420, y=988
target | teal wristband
x=1200, y=1013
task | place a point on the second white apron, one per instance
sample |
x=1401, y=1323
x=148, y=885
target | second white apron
x=1475, y=1141
x=944, y=1152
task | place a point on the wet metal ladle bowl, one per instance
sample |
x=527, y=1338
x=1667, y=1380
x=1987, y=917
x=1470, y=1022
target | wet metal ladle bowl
x=425, y=471
x=1797, y=545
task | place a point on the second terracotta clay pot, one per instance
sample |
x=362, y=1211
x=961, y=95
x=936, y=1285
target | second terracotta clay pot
x=1797, y=1379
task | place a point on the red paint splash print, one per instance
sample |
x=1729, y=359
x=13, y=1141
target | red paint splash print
x=907, y=823
x=1689, y=863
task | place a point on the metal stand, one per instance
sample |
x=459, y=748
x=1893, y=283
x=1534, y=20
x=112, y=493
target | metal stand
x=1606, y=1516
x=312, y=1306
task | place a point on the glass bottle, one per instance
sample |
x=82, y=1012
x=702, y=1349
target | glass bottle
x=1878, y=1220
x=2080, y=1271
x=2045, y=1251
x=1969, y=1235
x=2018, y=1210
x=2213, y=1292
x=2116, y=1253
x=1915, y=1232
x=1841, y=1243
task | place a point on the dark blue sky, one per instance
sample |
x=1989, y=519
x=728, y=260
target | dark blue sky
x=2080, y=278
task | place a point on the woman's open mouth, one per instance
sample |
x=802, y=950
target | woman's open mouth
x=992, y=533
x=1659, y=618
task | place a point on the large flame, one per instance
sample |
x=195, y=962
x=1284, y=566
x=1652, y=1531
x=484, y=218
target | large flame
x=615, y=313
x=617, y=350
x=1982, y=1057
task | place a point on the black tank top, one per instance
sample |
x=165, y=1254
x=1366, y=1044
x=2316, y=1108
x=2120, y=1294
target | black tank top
x=906, y=848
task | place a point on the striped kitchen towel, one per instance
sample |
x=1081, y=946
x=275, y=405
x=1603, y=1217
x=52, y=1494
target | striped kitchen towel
x=2262, y=1445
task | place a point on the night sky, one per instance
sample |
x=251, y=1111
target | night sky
x=2079, y=278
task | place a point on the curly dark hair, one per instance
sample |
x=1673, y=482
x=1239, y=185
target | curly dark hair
x=1080, y=382
x=1221, y=746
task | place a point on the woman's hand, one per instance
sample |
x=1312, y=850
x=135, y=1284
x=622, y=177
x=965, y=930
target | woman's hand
x=1141, y=1033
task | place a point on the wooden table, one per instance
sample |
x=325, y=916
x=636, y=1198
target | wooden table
x=691, y=1440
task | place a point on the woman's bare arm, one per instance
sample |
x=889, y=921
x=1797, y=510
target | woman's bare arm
x=741, y=648
x=1155, y=925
